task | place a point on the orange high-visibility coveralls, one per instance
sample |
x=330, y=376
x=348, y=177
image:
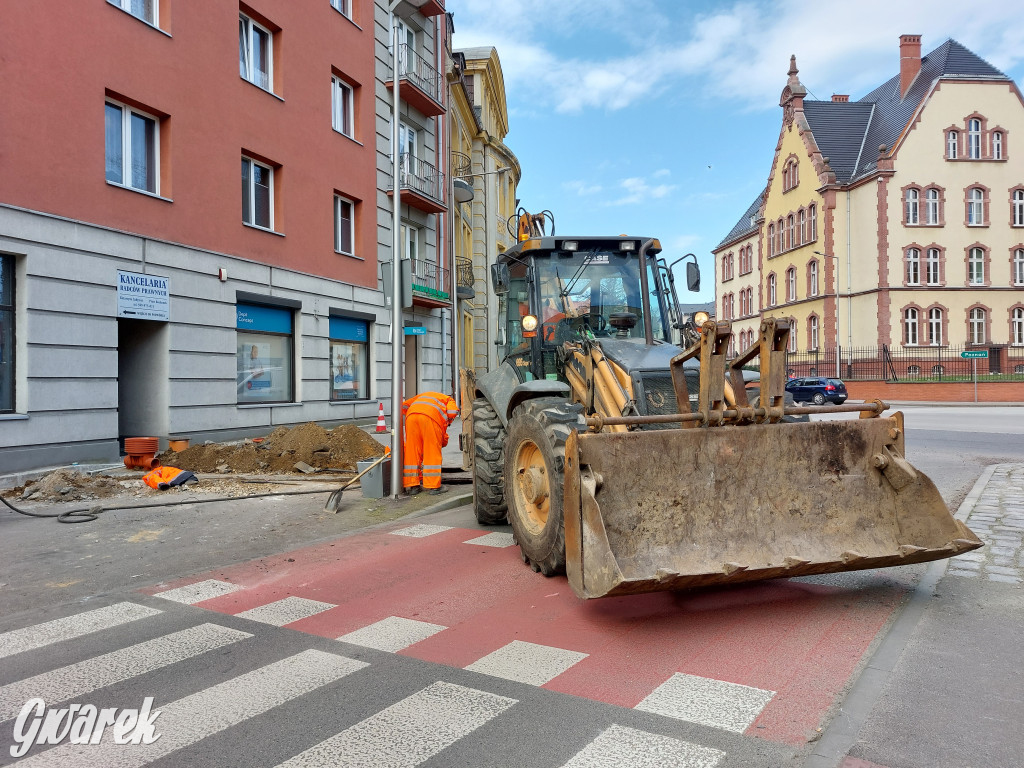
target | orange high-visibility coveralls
x=427, y=417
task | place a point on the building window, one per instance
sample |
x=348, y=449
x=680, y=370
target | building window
x=913, y=266
x=1018, y=266
x=974, y=139
x=932, y=264
x=140, y=9
x=409, y=238
x=931, y=207
x=812, y=215
x=812, y=278
x=977, y=325
x=771, y=290
x=910, y=327
x=935, y=327
x=911, y=207
x=265, y=354
x=803, y=226
x=344, y=6
x=255, y=54
x=6, y=333
x=780, y=236
x=938, y=370
x=343, y=225
x=997, y=145
x=813, y=328
x=771, y=239
x=341, y=106
x=791, y=284
x=976, y=267
x=913, y=371
x=132, y=148
x=975, y=207
x=793, y=346
x=406, y=48
x=791, y=231
x=350, y=368
x=257, y=194
x=1016, y=329
x=952, y=140
x=1018, y=207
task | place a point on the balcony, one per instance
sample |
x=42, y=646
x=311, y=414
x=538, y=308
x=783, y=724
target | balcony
x=430, y=285
x=428, y=8
x=422, y=85
x=464, y=278
x=422, y=184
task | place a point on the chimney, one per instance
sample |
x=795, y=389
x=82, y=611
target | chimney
x=840, y=97
x=910, y=61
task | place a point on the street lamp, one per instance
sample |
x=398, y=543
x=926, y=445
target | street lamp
x=838, y=335
x=397, y=321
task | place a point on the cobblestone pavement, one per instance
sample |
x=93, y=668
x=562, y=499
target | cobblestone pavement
x=997, y=517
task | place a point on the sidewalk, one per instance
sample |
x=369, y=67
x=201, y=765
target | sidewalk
x=945, y=688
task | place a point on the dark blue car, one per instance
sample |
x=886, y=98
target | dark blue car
x=817, y=390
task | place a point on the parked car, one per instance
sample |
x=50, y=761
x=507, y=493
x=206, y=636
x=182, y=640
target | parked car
x=817, y=390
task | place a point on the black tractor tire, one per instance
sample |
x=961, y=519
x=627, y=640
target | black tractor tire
x=488, y=464
x=537, y=433
x=819, y=399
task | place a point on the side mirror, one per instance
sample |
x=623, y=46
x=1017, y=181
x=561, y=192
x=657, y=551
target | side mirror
x=692, y=276
x=499, y=279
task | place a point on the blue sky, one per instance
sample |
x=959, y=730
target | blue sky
x=660, y=117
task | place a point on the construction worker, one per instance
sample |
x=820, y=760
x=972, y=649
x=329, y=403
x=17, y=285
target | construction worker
x=427, y=417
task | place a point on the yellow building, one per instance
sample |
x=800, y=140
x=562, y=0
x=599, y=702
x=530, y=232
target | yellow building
x=485, y=174
x=904, y=210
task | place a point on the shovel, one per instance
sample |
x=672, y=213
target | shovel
x=334, y=500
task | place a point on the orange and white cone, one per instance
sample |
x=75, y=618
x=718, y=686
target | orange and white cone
x=381, y=426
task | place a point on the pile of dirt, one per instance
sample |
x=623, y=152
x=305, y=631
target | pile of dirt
x=71, y=485
x=278, y=453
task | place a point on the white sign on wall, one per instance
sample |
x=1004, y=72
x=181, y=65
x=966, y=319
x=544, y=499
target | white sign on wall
x=143, y=297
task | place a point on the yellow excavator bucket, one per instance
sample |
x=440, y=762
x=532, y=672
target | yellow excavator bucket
x=700, y=505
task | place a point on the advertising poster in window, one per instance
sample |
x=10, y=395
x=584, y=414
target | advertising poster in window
x=345, y=369
x=264, y=370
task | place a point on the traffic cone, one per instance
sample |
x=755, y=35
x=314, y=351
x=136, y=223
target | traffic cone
x=381, y=426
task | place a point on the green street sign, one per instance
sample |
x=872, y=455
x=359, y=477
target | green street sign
x=969, y=353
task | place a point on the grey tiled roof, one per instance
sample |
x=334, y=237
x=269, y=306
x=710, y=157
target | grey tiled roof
x=746, y=225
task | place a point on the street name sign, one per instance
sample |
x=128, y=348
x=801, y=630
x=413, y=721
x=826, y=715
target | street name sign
x=978, y=353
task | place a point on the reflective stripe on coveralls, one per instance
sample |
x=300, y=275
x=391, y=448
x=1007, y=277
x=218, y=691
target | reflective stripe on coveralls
x=426, y=432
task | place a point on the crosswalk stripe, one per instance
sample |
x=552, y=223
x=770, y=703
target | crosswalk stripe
x=286, y=610
x=191, y=594
x=422, y=530
x=70, y=627
x=527, y=662
x=191, y=719
x=408, y=732
x=496, y=539
x=701, y=700
x=619, y=746
x=392, y=634
x=98, y=672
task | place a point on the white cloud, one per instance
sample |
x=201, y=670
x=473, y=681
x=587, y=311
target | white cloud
x=581, y=188
x=639, y=191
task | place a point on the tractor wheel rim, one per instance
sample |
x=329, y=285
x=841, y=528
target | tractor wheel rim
x=531, y=487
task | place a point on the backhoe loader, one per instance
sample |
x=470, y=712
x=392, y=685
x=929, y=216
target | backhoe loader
x=635, y=465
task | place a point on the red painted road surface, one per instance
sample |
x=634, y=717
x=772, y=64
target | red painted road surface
x=802, y=640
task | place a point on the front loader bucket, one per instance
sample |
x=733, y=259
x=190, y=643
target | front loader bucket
x=672, y=509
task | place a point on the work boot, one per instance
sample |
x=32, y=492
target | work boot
x=438, y=491
x=412, y=490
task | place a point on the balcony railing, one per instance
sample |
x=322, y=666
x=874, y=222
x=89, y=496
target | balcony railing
x=429, y=284
x=423, y=78
x=464, y=277
x=423, y=181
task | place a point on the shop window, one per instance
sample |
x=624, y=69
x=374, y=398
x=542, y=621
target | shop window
x=350, y=369
x=265, y=341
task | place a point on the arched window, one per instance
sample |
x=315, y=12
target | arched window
x=1017, y=327
x=771, y=290
x=974, y=138
x=812, y=278
x=952, y=139
x=813, y=325
x=975, y=207
x=938, y=370
x=910, y=326
x=1018, y=266
x=911, y=208
x=791, y=284
x=935, y=326
x=933, y=261
x=913, y=266
x=1018, y=207
x=931, y=207
x=977, y=324
x=997, y=145
x=913, y=371
x=976, y=267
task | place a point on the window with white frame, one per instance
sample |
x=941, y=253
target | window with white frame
x=932, y=264
x=140, y=9
x=974, y=138
x=790, y=231
x=976, y=266
x=771, y=239
x=935, y=327
x=952, y=140
x=132, y=148
x=913, y=266
x=813, y=325
x=1018, y=207
x=910, y=326
x=977, y=325
x=406, y=48
x=780, y=236
x=341, y=106
x=257, y=194
x=791, y=284
x=931, y=207
x=812, y=216
x=255, y=53
x=813, y=278
x=1018, y=266
x=771, y=290
x=343, y=227
x=1017, y=327
x=975, y=207
x=410, y=237
x=7, y=333
x=911, y=207
x=344, y=6
x=802, y=225
x=997, y=145
x=793, y=346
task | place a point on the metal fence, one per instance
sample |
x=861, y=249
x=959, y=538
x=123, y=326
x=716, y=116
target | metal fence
x=887, y=363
